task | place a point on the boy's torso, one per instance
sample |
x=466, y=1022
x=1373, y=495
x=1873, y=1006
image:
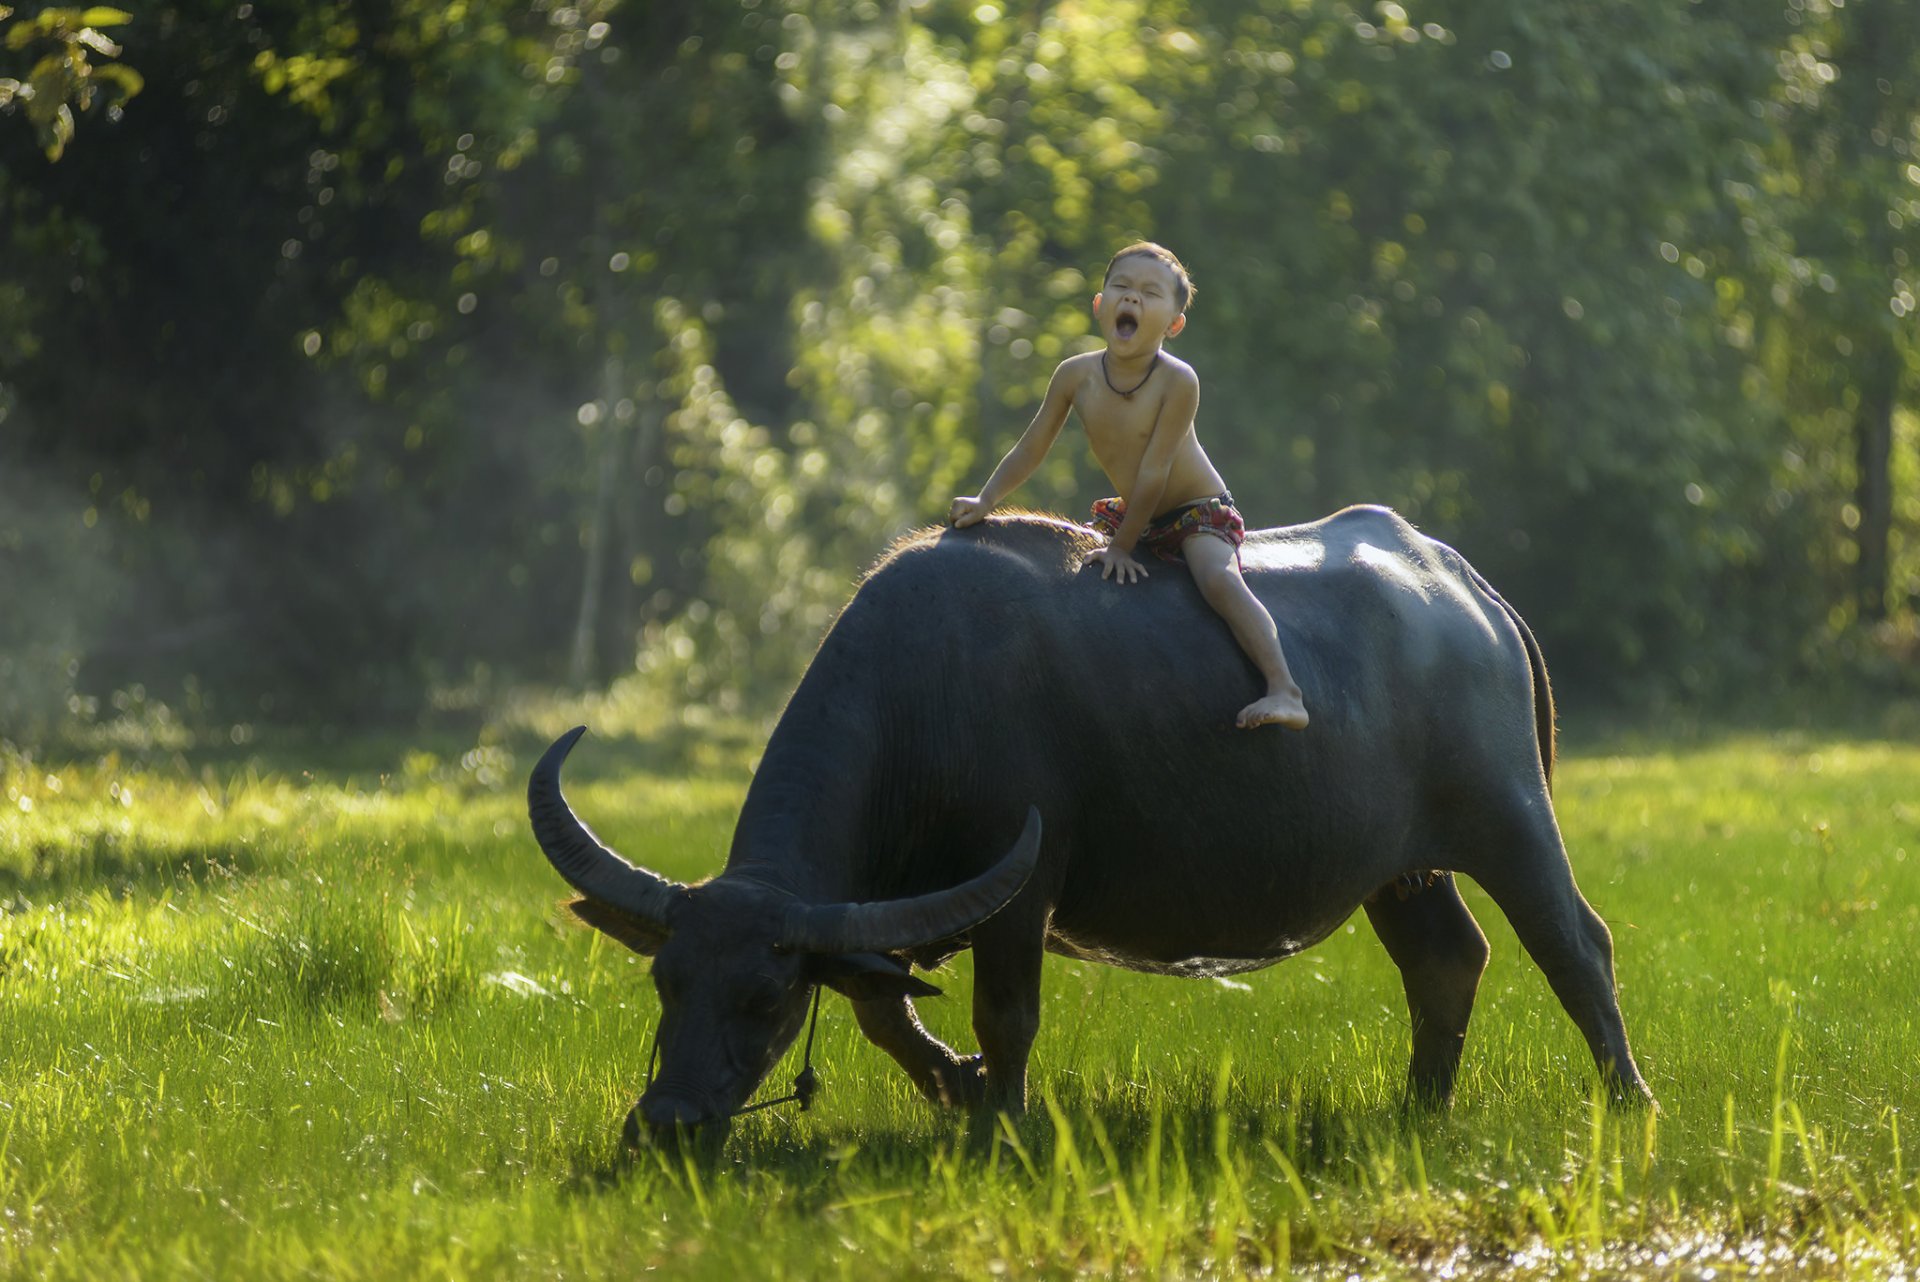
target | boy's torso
x=1119, y=428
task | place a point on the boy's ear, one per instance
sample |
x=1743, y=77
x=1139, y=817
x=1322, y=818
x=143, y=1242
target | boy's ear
x=1096, y=303
x=1179, y=323
x=637, y=933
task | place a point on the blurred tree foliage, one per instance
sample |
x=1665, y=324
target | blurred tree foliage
x=64, y=45
x=379, y=352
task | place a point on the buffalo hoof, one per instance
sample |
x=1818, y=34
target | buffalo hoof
x=1631, y=1095
x=961, y=1084
x=1426, y=1097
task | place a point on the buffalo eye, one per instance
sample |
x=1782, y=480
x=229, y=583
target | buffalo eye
x=762, y=997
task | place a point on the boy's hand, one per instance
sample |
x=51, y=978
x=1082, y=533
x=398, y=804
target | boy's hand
x=1112, y=561
x=968, y=510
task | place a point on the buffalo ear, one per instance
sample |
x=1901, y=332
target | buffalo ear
x=636, y=932
x=866, y=977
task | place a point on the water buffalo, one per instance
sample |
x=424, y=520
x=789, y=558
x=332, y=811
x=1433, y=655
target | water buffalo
x=978, y=684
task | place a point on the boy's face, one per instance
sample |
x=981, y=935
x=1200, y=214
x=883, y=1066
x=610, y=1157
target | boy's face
x=1138, y=306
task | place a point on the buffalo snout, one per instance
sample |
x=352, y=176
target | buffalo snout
x=664, y=1112
x=662, y=1119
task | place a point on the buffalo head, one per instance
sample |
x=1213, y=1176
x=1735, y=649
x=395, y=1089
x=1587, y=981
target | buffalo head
x=735, y=960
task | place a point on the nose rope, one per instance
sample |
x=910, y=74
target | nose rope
x=805, y=1083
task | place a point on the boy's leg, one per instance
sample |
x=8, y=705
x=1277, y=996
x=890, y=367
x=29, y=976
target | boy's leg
x=1217, y=571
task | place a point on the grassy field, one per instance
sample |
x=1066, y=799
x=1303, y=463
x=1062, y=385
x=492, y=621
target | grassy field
x=259, y=1020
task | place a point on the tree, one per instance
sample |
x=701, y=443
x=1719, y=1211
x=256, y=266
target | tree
x=65, y=77
x=1844, y=202
x=426, y=341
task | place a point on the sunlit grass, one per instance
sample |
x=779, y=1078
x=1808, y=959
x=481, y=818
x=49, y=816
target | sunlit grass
x=260, y=1022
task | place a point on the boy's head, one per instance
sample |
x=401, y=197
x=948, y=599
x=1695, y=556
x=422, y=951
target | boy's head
x=1143, y=297
x=1183, y=283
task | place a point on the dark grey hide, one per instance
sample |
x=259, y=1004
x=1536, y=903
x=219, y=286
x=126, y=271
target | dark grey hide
x=979, y=675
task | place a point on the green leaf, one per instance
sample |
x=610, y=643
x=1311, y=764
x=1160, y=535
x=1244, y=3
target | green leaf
x=129, y=81
x=56, y=132
x=51, y=83
x=98, y=43
x=105, y=17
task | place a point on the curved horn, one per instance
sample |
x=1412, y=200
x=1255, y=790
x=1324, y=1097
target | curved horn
x=902, y=923
x=577, y=854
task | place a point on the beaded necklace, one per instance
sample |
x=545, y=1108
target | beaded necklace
x=1128, y=394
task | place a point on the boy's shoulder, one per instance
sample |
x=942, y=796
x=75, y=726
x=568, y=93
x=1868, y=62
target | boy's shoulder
x=1078, y=365
x=1181, y=371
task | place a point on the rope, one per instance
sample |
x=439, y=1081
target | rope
x=805, y=1083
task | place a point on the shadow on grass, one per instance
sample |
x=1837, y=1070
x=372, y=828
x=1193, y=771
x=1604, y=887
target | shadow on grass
x=728, y=748
x=107, y=863
x=327, y=755
x=1596, y=729
x=1107, y=1139
x=90, y=856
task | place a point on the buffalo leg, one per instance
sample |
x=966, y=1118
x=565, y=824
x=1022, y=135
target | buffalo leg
x=1533, y=884
x=937, y=1073
x=1440, y=951
x=1007, y=951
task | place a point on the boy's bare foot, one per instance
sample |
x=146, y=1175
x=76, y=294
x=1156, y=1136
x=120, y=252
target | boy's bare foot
x=1274, y=710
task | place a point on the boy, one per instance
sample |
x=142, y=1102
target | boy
x=1137, y=404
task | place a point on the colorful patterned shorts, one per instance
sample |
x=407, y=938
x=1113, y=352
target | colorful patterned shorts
x=1164, y=534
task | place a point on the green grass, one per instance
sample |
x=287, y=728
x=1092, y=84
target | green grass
x=263, y=1023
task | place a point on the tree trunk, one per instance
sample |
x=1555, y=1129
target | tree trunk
x=1873, y=485
x=633, y=518
x=580, y=668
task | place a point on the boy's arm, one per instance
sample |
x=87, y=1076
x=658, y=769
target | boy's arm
x=1025, y=456
x=1150, y=482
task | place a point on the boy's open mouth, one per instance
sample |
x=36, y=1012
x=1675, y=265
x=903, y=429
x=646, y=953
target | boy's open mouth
x=1125, y=323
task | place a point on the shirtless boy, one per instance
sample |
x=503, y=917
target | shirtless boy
x=1137, y=404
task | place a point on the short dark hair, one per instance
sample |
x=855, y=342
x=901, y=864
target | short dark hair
x=1183, y=286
